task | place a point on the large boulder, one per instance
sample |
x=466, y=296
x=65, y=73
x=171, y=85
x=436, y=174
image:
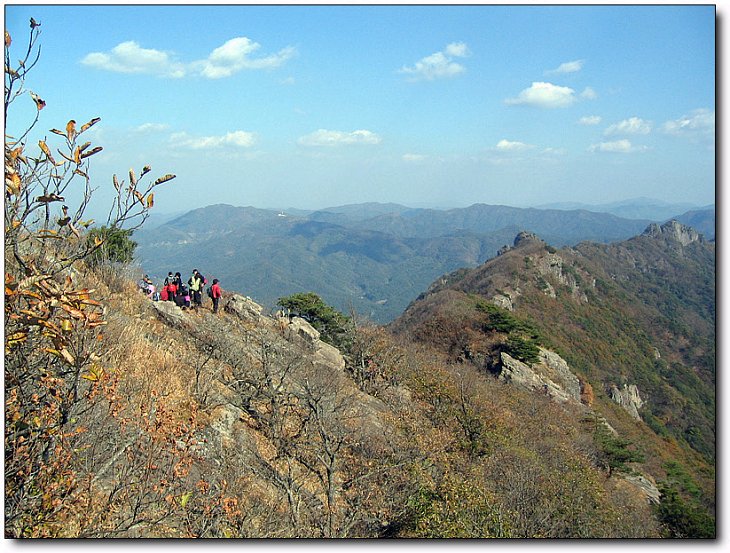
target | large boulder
x=244, y=308
x=301, y=332
x=170, y=314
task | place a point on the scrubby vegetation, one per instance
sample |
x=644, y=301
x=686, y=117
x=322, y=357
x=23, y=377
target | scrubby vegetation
x=130, y=418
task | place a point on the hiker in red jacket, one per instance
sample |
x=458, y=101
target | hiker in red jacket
x=215, y=294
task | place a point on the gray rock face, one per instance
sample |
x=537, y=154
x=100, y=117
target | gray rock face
x=627, y=397
x=645, y=486
x=245, y=308
x=170, y=313
x=525, y=237
x=675, y=230
x=532, y=378
x=301, y=331
x=558, y=370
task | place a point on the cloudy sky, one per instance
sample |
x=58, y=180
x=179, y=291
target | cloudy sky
x=315, y=106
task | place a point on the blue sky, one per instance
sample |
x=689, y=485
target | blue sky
x=315, y=106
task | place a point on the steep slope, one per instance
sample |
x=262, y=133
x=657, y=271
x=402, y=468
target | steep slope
x=634, y=320
x=238, y=424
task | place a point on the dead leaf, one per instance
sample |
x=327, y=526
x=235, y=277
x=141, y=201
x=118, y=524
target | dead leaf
x=40, y=104
x=150, y=201
x=12, y=184
x=8, y=40
x=47, y=198
x=71, y=129
x=90, y=124
x=164, y=179
x=115, y=182
x=91, y=152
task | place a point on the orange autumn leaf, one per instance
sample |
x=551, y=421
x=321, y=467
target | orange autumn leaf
x=71, y=129
x=12, y=184
x=91, y=123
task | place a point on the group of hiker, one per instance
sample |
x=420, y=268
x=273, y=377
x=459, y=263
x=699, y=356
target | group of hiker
x=185, y=296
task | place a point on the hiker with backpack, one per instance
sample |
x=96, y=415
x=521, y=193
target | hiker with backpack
x=215, y=294
x=170, y=287
x=196, y=283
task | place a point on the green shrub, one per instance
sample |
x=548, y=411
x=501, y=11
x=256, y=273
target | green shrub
x=614, y=451
x=332, y=325
x=116, y=247
x=683, y=519
x=523, y=349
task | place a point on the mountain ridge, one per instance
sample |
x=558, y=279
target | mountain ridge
x=396, y=253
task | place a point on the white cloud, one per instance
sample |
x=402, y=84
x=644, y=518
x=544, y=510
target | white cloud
x=413, y=157
x=509, y=146
x=588, y=94
x=226, y=60
x=567, y=67
x=555, y=151
x=235, y=55
x=439, y=65
x=589, y=120
x=622, y=146
x=544, y=95
x=152, y=127
x=698, y=122
x=238, y=139
x=632, y=125
x=457, y=50
x=130, y=57
x=323, y=137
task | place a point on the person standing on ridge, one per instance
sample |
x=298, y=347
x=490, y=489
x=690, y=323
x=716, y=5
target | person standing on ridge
x=170, y=286
x=196, y=283
x=215, y=293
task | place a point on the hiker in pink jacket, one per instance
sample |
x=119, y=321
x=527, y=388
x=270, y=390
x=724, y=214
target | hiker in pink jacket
x=215, y=294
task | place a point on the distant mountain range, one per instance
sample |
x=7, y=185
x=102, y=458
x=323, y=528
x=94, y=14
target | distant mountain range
x=373, y=258
x=636, y=208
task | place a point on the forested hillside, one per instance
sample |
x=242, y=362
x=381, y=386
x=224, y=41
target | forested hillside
x=635, y=320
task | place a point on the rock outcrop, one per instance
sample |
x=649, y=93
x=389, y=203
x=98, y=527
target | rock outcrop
x=674, y=230
x=627, y=397
x=551, y=376
x=299, y=330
